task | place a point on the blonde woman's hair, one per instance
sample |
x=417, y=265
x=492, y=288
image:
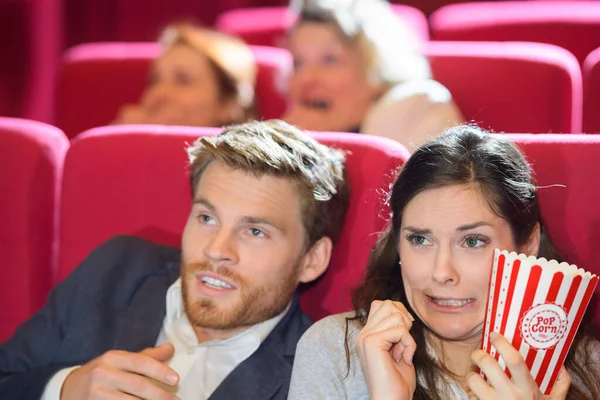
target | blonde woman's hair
x=389, y=47
x=231, y=59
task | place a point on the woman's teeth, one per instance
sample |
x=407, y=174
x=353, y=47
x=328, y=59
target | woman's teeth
x=215, y=283
x=318, y=104
x=451, y=302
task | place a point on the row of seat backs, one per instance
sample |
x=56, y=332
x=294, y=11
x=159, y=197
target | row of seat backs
x=132, y=180
x=507, y=87
x=574, y=25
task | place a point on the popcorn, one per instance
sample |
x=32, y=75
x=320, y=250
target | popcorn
x=537, y=305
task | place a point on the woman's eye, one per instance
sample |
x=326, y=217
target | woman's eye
x=330, y=59
x=182, y=79
x=475, y=241
x=152, y=79
x=297, y=63
x=418, y=240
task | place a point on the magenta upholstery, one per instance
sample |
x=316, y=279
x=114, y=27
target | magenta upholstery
x=31, y=47
x=266, y=26
x=31, y=160
x=573, y=25
x=511, y=87
x=96, y=79
x=571, y=213
x=591, y=92
x=141, y=20
x=132, y=180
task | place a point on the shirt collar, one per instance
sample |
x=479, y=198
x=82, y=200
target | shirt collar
x=178, y=326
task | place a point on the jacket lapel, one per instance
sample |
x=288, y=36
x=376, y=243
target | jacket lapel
x=139, y=327
x=269, y=369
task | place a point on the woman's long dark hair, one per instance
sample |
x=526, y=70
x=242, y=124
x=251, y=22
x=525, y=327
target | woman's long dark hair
x=463, y=155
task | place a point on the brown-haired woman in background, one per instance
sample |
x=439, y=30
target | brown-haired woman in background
x=419, y=312
x=358, y=68
x=201, y=78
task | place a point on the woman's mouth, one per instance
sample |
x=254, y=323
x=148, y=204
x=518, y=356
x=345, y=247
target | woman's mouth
x=449, y=302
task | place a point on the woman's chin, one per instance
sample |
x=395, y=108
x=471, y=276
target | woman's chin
x=457, y=332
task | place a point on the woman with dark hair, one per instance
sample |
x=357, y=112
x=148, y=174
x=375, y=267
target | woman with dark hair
x=419, y=313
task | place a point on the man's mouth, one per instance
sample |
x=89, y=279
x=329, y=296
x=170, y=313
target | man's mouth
x=215, y=283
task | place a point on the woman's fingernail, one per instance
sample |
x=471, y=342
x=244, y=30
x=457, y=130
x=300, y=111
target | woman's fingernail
x=494, y=335
x=411, y=317
x=172, y=378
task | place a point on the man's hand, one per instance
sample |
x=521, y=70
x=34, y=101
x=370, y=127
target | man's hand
x=123, y=375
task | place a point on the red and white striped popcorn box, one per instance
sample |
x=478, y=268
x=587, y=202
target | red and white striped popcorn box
x=537, y=305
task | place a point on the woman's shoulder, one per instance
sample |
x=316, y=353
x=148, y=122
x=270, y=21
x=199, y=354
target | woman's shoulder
x=331, y=331
x=422, y=90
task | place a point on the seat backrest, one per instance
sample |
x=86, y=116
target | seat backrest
x=573, y=25
x=511, y=87
x=266, y=26
x=132, y=180
x=96, y=79
x=591, y=92
x=567, y=173
x=31, y=160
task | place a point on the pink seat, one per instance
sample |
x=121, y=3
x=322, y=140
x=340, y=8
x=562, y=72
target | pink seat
x=131, y=180
x=573, y=25
x=591, y=92
x=96, y=79
x=571, y=213
x=32, y=45
x=266, y=26
x=31, y=160
x=511, y=87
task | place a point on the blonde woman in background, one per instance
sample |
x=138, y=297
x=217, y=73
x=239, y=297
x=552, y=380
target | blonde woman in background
x=201, y=78
x=358, y=68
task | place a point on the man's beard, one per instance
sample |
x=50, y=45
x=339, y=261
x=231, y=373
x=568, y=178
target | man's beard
x=256, y=303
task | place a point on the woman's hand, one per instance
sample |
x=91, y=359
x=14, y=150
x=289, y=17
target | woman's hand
x=520, y=386
x=386, y=349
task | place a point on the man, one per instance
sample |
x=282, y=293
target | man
x=268, y=204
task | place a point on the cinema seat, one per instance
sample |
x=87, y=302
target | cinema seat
x=31, y=160
x=132, y=180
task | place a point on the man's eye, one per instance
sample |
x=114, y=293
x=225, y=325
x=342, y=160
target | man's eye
x=256, y=232
x=205, y=218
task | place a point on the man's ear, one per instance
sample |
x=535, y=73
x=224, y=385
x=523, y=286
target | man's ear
x=316, y=260
x=532, y=246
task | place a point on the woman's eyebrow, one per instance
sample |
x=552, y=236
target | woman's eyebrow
x=473, y=226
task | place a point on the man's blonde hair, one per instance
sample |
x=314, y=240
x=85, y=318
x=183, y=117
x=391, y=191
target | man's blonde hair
x=279, y=149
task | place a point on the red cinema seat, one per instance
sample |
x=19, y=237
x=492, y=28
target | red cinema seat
x=32, y=32
x=566, y=168
x=266, y=26
x=132, y=180
x=96, y=79
x=512, y=86
x=31, y=160
x=573, y=25
x=591, y=92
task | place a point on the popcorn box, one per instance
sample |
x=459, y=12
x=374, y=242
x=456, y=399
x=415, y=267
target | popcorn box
x=537, y=305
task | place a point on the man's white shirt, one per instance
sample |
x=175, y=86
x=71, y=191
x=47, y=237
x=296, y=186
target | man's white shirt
x=201, y=366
